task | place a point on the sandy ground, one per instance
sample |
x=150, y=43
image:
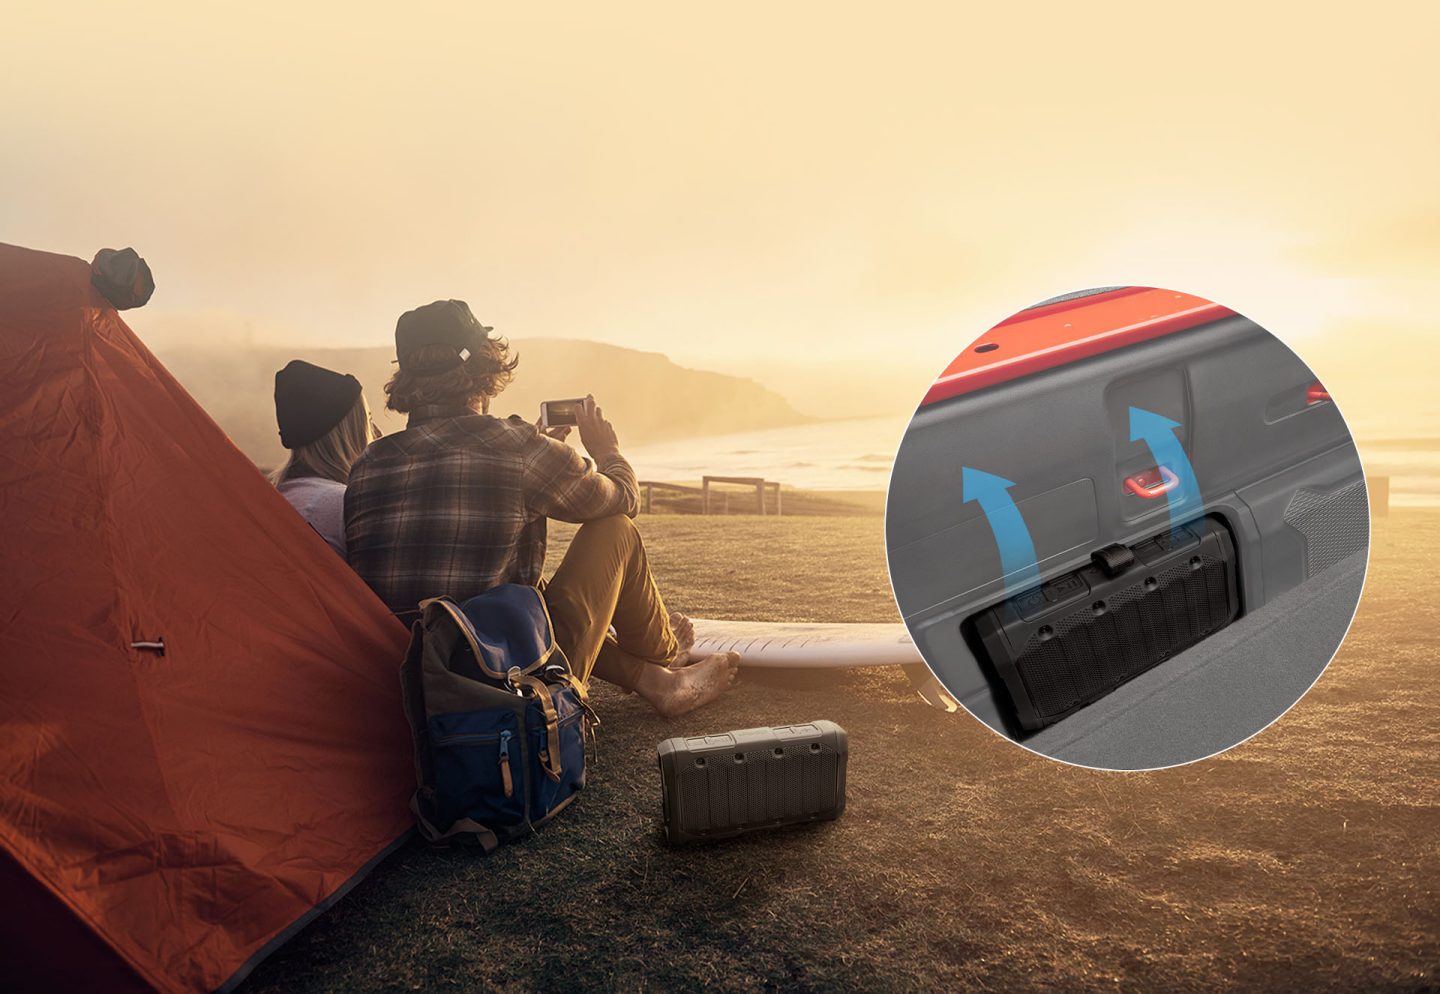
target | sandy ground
x=1305, y=859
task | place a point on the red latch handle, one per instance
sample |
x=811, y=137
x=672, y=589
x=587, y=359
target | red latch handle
x=1316, y=394
x=1152, y=483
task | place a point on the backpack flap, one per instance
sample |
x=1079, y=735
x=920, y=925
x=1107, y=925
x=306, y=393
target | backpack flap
x=505, y=628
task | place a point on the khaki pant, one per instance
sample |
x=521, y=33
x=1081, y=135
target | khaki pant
x=605, y=580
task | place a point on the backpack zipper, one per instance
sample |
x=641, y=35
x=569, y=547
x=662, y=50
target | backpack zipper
x=505, y=764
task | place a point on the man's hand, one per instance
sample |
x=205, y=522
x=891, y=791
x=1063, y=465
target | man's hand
x=596, y=434
x=559, y=432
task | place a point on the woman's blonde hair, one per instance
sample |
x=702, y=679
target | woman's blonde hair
x=331, y=455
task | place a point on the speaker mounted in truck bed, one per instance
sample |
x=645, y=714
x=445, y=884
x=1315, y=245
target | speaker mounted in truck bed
x=1075, y=638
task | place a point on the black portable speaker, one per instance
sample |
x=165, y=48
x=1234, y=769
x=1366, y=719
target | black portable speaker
x=716, y=786
x=1074, y=639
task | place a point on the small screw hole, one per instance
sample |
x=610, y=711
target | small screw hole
x=1196, y=562
x=739, y=757
x=700, y=761
x=779, y=751
x=987, y=347
x=814, y=746
x=1151, y=583
x=1098, y=607
x=1046, y=632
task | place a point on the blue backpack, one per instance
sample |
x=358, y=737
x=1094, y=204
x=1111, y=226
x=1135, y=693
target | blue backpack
x=498, y=719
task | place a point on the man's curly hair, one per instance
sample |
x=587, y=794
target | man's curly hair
x=471, y=383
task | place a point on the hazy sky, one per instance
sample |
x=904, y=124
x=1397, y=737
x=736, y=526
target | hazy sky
x=730, y=182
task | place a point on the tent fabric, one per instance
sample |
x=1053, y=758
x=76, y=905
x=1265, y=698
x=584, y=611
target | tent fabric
x=182, y=810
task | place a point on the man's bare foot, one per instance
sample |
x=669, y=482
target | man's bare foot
x=675, y=692
x=684, y=631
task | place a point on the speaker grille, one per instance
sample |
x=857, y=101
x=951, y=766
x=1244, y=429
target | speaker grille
x=1335, y=525
x=1090, y=654
x=1077, y=637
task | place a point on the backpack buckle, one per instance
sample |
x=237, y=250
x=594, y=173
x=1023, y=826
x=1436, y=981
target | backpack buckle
x=514, y=677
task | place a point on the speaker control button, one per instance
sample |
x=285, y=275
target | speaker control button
x=1065, y=588
x=1031, y=602
x=1113, y=559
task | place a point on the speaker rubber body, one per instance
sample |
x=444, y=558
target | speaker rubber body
x=1068, y=642
x=723, y=785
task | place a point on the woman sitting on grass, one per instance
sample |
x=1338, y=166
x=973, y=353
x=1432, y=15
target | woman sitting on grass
x=325, y=423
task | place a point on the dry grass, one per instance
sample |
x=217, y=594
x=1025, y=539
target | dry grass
x=1305, y=859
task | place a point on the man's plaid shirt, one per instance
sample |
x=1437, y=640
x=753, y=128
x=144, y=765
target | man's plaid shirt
x=457, y=503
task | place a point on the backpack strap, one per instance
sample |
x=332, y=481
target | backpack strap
x=550, y=762
x=592, y=720
x=474, y=833
x=581, y=691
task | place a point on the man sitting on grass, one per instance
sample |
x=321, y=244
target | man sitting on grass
x=457, y=503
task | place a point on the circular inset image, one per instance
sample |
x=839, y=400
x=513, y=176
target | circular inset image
x=1127, y=528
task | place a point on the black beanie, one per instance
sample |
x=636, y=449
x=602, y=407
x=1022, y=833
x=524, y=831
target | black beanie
x=310, y=400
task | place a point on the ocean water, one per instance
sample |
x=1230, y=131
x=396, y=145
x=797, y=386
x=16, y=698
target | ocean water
x=856, y=455
x=827, y=455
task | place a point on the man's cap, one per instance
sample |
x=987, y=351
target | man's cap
x=444, y=322
x=310, y=400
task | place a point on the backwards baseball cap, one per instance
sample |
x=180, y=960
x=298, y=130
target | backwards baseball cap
x=445, y=322
x=310, y=400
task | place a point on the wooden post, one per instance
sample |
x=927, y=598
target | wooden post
x=1379, y=487
x=760, y=484
x=649, y=494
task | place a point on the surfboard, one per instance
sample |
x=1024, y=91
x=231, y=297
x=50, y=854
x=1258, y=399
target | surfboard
x=783, y=644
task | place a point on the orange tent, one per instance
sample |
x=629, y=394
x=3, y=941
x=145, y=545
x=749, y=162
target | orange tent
x=166, y=820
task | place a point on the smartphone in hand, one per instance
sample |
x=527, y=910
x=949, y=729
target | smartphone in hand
x=560, y=413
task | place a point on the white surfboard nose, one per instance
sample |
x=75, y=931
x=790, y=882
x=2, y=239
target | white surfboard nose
x=789, y=645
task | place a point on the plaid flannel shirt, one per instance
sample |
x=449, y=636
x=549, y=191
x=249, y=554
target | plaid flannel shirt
x=457, y=504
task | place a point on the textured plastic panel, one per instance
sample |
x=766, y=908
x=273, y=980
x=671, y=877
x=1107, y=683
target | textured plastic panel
x=717, y=786
x=1078, y=637
x=1335, y=525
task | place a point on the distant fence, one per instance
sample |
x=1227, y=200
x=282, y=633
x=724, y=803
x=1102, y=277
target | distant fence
x=648, y=488
x=713, y=499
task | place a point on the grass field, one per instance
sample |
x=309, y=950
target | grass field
x=1305, y=859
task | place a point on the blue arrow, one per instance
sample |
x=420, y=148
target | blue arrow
x=1012, y=538
x=1158, y=432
